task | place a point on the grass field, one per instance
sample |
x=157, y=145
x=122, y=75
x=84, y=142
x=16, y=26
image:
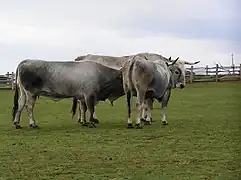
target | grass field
x=202, y=140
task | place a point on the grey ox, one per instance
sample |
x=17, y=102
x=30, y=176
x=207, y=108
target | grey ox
x=87, y=81
x=150, y=80
x=116, y=63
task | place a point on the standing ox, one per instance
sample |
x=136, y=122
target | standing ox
x=87, y=81
x=150, y=80
x=109, y=61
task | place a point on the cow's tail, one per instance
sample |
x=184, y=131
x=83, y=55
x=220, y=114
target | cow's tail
x=74, y=107
x=15, y=99
x=129, y=70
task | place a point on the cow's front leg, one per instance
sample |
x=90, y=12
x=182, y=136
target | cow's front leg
x=95, y=119
x=144, y=112
x=82, y=112
x=164, y=111
x=29, y=107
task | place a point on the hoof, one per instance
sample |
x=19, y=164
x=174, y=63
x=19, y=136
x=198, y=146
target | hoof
x=85, y=124
x=147, y=122
x=96, y=121
x=130, y=126
x=17, y=126
x=143, y=120
x=34, y=126
x=81, y=122
x=164, y=123
x=91, y=125
x=138, y=126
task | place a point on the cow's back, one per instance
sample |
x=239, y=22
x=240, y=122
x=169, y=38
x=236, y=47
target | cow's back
x=109, y=61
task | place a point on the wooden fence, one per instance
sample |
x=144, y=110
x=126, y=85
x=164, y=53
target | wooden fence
x=194, y=74
x=213, y=74
x=7, y=81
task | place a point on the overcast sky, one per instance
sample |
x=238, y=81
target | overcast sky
x=205, y=30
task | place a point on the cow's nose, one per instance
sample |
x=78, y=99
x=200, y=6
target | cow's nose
x=182, y=86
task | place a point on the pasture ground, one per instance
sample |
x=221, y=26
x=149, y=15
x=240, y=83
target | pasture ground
x=202, y=140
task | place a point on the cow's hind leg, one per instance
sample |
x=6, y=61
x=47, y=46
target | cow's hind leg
x=140, y=106
x=30, y=107
x=165, y=101
x=128, y=99
x=21, y=104
x=90, y=103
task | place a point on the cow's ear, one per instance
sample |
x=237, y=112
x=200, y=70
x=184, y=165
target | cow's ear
x=145, y=57
x=170, y=58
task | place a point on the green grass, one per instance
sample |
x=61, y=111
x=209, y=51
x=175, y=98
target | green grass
x=202, y=140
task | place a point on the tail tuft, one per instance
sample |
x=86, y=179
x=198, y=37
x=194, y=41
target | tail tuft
x=15, y=103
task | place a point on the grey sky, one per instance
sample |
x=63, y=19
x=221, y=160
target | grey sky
x=206, y=30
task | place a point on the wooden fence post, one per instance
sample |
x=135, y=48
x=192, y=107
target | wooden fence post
x=12, y=80
x=206, y=70
x=240, y=71
x=191, y=75
x=216, y=72
x=8, y=77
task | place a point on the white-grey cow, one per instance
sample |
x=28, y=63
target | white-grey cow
x=150, y=80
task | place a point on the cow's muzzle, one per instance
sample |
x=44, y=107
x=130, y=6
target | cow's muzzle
x=179, y=85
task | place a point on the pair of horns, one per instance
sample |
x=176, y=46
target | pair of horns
x=170, y=59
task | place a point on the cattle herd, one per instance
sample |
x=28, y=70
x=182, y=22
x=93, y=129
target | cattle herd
x=92, y=78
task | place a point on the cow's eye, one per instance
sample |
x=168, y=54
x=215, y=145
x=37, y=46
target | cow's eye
x=176, y=72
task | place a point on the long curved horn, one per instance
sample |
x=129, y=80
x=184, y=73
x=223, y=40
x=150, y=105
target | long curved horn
x=190, y=63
